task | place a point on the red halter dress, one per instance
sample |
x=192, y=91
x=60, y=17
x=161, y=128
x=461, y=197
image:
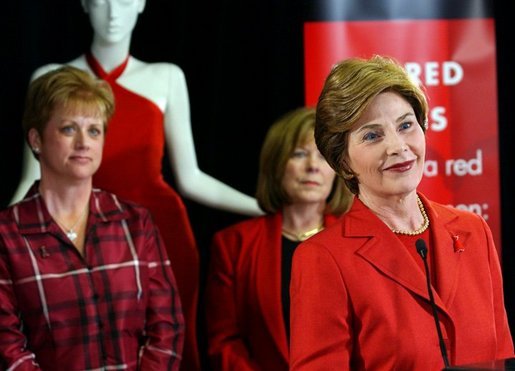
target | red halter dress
x=131, y=168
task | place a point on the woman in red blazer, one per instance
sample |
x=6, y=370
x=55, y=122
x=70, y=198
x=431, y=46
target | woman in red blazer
x=359, y=290
x=247, y=301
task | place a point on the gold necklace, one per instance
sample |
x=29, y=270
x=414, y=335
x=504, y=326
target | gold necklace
x=70, y=232
x=304, y=235
x=420, y=229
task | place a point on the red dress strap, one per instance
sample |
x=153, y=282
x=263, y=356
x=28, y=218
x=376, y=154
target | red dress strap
x=99, y=71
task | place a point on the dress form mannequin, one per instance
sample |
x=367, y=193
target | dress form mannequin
x=163, y=84
x=152, y=108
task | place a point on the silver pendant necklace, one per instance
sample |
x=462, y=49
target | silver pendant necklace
x=70, y=232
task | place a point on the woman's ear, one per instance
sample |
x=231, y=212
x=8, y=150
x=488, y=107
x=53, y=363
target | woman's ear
x=34, y=140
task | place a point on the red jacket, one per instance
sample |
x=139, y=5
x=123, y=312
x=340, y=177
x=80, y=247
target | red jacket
x=359, y=300
x=243, y=297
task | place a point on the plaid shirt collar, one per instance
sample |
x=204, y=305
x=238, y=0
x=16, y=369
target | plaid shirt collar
x=33, y=217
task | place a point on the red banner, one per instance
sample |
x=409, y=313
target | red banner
x=455, y=60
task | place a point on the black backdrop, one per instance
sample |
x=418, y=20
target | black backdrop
x=244, y=67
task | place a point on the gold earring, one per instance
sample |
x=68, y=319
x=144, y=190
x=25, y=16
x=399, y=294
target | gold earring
x=347, y=176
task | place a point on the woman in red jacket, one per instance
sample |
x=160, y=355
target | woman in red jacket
x=359, y=289
x=248, y=282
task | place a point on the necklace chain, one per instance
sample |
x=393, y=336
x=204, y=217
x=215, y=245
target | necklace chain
x=420, y=229
x=70, y=232
x=304, y=235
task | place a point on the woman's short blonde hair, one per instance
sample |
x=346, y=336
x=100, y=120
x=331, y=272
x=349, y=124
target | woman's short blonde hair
x=70, y=88
x=350, y=87
x=286, y=134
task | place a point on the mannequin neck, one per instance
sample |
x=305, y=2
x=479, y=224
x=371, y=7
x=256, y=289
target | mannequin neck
x=110, y=55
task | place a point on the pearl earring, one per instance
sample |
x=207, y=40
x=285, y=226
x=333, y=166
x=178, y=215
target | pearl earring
x=36, y=150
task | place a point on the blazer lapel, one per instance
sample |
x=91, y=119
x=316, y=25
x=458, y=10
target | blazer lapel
x=268, y=267
x=389, y=255
x=385, y=251
x=449, y=243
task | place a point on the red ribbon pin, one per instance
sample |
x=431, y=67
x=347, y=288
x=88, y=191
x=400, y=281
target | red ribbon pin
x=458, y=246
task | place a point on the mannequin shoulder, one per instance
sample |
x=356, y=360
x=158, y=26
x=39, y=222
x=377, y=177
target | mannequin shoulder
x=156, y=72
x=78, y=62
x=44, y=69
x=156, y=81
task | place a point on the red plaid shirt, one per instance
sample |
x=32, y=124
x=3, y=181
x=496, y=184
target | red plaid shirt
x=117, y=307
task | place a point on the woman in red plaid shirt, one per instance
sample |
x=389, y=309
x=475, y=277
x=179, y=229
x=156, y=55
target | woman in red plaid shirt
x=85, y=283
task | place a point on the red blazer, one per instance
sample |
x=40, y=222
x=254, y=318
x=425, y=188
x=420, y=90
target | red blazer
x=243, y=297
x=359, y=300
